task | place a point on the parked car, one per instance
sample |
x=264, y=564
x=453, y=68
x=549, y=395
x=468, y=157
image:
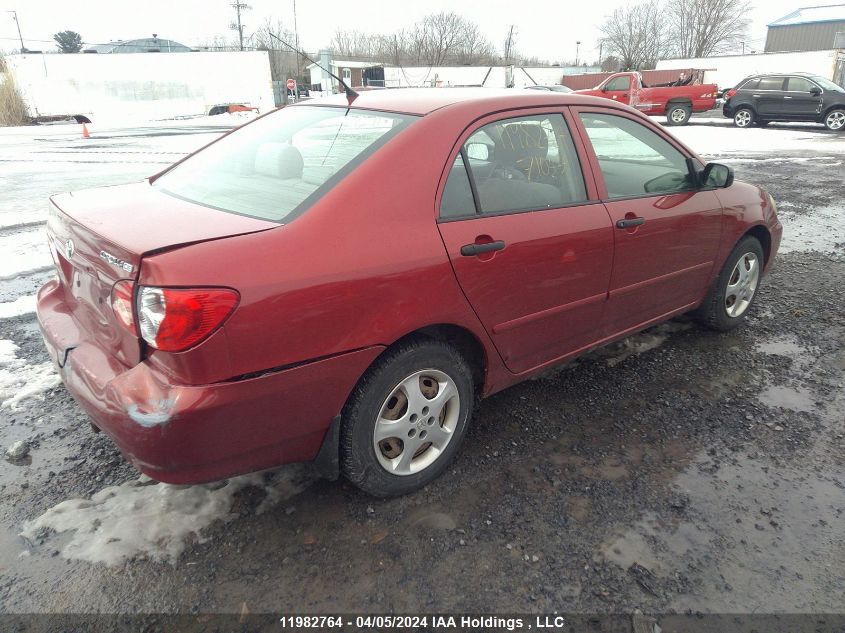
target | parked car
x=551, y=88
x=677, y=102
x=341, y=284
x=761, y=99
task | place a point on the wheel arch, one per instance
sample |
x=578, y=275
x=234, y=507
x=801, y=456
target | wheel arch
x=463, y=340
x=762, y=234
x=676, y=101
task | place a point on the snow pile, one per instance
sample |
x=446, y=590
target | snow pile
x=155, y=520
x=21, y=305
x=19, y=380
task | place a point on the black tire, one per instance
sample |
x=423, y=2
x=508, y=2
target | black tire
x=359, y=462
x=744, y=118
x=713, y=312
x=834, y=120
x=678, y=114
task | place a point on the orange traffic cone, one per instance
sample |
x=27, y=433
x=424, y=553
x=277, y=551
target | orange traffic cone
x=85, y=133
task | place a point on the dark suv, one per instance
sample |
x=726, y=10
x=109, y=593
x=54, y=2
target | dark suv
x=761, y=99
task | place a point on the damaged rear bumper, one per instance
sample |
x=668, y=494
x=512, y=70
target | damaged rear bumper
x=196, y=433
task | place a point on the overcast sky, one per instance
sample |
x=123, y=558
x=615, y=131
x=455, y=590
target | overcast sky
x=545, y=28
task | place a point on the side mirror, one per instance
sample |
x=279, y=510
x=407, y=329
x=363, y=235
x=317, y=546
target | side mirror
x=478, y=151
x=815, y=91
x=717, y=176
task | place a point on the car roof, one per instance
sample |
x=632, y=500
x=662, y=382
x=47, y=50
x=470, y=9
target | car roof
x=422, y=101
x=773, y=74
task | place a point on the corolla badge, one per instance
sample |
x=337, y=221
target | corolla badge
x=118, y=263
x=70, y=249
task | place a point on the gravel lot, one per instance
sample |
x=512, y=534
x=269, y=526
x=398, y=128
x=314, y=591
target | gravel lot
x=678, y=471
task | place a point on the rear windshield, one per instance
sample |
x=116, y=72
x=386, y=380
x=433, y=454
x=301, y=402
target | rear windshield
x=277, y=166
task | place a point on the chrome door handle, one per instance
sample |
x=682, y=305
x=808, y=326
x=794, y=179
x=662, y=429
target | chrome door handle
x=787, y=97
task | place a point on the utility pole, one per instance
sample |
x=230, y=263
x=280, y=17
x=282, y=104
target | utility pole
x=238, y=26
x=296, y=41
x=577, y=47
x=601, y=46
x=20, y=37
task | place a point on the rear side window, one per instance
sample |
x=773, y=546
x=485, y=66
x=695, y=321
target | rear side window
x=770, y=83
x=519, y=164
x=634, y=160
x=278, y=166
x=751, y=84
x=799, y=84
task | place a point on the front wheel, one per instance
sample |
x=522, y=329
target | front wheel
x=835, y=120
x=406, y=418
x=734, y=290
x=678, y=114
x=744, y=117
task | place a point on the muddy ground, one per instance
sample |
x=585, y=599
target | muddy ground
x=679, y=471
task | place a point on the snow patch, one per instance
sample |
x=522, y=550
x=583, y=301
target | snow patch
x=21, y=305
x=19, y=380
x=144, y=518
x=822, y=230
x=24, y=252
x=641, y=342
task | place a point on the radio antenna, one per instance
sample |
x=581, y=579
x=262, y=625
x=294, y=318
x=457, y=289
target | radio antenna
x=351, y=95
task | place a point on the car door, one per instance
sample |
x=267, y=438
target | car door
x=530, y=242
x=619, y=89
x=802, y=100
x=667, y=230
x=767, y=97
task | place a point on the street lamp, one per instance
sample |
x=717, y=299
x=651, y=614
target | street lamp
x=577, y=46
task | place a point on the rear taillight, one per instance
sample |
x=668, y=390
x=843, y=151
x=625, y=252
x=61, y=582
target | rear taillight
x=174, y=319
x=729, y=94
x=122, y=295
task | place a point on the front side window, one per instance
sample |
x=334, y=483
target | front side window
x=518, y=164
x=799, y=84
x=618, y=83
x=827, y=84
x=770, y=83
x=277, y=166
x=634, y=160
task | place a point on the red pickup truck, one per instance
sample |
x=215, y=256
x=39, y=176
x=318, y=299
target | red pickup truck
x=677, y=102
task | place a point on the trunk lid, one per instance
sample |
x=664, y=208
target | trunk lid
x=99, y=236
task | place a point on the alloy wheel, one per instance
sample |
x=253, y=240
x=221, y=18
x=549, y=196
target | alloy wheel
x=742, y=118
x=678, y=115
x=835, y=120
x=742, y=285
x=416, y=422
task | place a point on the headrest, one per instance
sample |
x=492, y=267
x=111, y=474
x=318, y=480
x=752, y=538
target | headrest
x=521, y=141
x=279, y=160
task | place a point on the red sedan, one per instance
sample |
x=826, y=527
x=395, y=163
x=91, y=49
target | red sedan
x=341, y=284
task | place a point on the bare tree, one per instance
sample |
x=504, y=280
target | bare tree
x=707, y=27
x=637, y=35
x=283, y=63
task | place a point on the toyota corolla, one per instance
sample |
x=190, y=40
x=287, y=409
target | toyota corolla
x=342, y=282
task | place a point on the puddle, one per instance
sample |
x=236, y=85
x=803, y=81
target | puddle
x=793, y=398
x=787, y=346
x=749, y=534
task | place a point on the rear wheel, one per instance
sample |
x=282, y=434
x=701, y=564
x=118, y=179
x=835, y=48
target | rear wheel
x=406, y=418
x=744, y=117
x=835, y=120
x=678, y=114
x=734, y=290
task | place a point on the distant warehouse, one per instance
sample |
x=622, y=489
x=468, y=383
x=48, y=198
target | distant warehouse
x=808, y=29
x=152, y=44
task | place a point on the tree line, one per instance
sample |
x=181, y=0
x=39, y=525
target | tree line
x=638, y=35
